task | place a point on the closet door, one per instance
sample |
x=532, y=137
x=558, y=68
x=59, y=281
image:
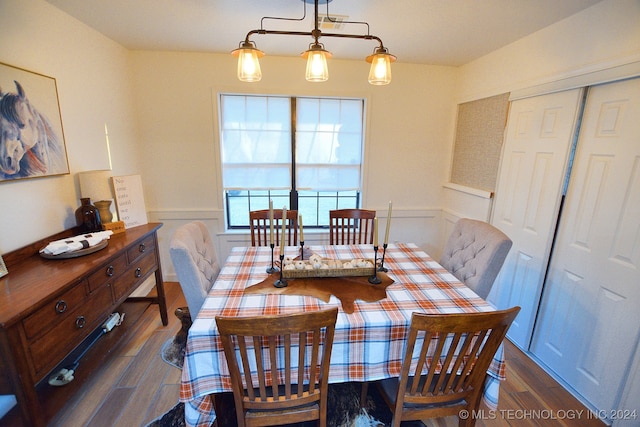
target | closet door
x=589, y=322
x=540, y=131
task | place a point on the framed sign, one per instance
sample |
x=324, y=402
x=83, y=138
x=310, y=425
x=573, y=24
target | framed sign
x=31, y=137
x=130, y=200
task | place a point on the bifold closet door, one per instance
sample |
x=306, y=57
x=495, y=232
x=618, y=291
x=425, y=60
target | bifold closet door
x=589, y=321
x=538, y=139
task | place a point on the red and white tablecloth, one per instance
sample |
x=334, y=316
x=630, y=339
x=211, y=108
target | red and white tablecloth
x=368, y=344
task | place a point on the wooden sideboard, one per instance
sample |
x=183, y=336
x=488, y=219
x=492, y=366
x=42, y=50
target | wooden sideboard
x=49, y=307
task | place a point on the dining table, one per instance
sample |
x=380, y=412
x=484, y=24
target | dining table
x=370, y=333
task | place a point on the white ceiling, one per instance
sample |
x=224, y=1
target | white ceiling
x=438, y=32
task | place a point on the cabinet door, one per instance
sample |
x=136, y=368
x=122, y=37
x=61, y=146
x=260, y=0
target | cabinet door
x=538, y=139
x=589, y=323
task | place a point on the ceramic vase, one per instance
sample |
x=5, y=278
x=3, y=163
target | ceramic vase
x=88, y=217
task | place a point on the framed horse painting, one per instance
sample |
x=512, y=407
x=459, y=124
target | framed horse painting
x=31, y=137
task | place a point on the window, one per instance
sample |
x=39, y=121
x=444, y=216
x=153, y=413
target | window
x=302, y=153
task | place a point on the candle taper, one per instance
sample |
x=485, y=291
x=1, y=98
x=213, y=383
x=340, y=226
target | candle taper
x=386, y=234
x=301, y=228
x=375, y=231
x=270, y=221
x=284, y=224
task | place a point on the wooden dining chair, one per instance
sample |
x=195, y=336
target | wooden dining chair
x=445, y=365
x=260, y=230
x=351, y=226
x=475, y=253
x=276, y=346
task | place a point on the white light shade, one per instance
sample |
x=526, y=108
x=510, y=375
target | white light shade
x=96, y=185
x=380, y=71
x=248, y=63
x=317, y=70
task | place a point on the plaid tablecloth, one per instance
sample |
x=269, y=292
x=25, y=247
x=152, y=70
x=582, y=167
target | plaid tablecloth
x=368, y=344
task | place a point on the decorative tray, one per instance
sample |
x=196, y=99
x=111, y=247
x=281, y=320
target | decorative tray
x=80, y=252
x=319, y=267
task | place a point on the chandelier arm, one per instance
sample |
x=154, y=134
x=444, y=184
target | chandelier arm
x=311, y=34
x=355, y=36
x=286, y=33
x=335, y=21
x=304, y=16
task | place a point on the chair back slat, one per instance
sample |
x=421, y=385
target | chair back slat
x=287, y=366
x=289, y=355
x=261, y=230
x=301, y=356
x=351, y=226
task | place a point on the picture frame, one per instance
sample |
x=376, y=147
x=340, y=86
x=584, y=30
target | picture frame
x=130, y=200
x=32, y=142
x=3, y=268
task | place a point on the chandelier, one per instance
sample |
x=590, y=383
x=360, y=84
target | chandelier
x=316, y=56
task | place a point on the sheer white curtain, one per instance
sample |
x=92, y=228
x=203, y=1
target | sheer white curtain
x=255, y=142
x=328, y=144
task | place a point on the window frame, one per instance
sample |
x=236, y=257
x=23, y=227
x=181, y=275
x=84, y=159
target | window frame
x=294, y=192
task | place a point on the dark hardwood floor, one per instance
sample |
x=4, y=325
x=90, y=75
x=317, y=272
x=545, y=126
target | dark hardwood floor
x=134, y=385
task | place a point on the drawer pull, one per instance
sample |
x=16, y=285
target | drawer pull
x=61, y=306
x=142, y=247
x=110, y=270
x=80, y=322
x=138, y=272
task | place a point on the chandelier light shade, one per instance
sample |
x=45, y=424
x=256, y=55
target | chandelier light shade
x=248, y=62
x=380, y=71
x=317, y=70
x=316, y=56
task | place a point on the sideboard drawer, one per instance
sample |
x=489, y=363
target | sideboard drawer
x=109, y=271
x=53, y=346
x=134, y=274
x=146, y=246
x=55, y=310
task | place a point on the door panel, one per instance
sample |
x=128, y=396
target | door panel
x=538, y=139
x=588, y=324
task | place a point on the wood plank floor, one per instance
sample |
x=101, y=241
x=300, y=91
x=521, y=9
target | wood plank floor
x=135, y=386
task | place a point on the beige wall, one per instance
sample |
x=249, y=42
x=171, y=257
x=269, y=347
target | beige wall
x=410, y=124
x=91, y=73
x=407, y=141
x=605, y=36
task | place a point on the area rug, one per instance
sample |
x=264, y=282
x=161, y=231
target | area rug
x=343, y=401
x=172, y=352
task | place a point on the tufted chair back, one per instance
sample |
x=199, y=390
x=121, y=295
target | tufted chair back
x=475, y=253
x=194, y=259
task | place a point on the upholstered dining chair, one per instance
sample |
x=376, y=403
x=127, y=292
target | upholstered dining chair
x=450, y=354
x=260, y=224
x=291, y=354
x=474, y=253
x=194, y=259
x=351, y=226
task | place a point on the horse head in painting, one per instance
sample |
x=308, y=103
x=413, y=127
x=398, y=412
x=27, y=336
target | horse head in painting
x=28, y=145
x=11, y=149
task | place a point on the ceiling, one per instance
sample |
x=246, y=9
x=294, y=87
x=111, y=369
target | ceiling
x=437, y=32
